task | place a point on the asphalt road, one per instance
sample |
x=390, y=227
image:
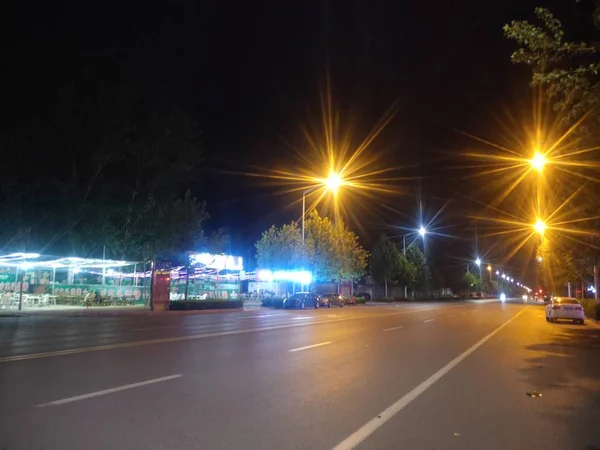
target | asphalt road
x=413, y=376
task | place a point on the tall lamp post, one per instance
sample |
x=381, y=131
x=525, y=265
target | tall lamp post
x=422, y=232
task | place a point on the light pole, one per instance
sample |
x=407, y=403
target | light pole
x=422, y=232
x=489, y=268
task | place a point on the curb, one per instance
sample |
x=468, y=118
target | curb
x=593, y=322
x=144, y=313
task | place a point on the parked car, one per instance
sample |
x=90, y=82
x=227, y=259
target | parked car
x=564, y=308
x=329, y=300
x=363, y=295
x=301, y=300
x=350, y=300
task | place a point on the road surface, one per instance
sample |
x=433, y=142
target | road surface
x=410, y=376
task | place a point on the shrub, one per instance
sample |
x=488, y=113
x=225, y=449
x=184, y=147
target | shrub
x=184, y=305
x=361, y=300
x=591, y=308
x=273, y=302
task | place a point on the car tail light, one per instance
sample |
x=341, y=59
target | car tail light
x=556, y=307
x=579, y=308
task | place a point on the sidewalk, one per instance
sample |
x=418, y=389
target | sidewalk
x=116, y=311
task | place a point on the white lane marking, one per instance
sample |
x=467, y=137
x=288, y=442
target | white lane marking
x=302, y=318
x=107, y=391
x=450, y=315
x=260, y=316
x=310, y=346
x=199, y=336
x=428, y=320
x=392, y=329
x=370, y=427
x=156, y=328
x=465, y=312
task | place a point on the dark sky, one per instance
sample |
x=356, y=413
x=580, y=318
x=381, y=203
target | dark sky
x=252, y=72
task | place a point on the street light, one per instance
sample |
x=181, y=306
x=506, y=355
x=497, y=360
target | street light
x=422, y=232
x=332, y=184
x=539, y=226
x=538, y=161
x=478, y=262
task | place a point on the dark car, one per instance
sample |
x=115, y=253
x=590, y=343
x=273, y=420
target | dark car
x=363, y=296
x=301, y=300
x=329, y=300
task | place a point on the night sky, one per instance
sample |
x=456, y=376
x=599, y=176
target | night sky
x=252, y=72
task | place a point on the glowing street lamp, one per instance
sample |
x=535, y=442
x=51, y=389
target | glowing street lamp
x=538, y=161
x=478, y=262
x=332, y=184
x=539, y=226
x=422, y=231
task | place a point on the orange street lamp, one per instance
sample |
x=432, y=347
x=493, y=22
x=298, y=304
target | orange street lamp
x=538, y=161
x=539, y=226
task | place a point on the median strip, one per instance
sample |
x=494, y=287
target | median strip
x=107, y=391
x=310, y=346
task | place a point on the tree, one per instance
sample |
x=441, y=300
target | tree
x=386, y=262
x=280, y=248
x=333, y=251
x=421, y=270
x=569, y=74
x=353, y=257
x=330, y=251
x=569, y=71
x=408, y=272
x=110, y=168
x=470, y=283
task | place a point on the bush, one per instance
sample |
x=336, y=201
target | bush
x=361, y=300
x=273, y=302
x=591, y=308
x=185, y=305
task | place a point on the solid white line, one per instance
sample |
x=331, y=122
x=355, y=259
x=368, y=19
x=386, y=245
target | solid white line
x=428, y=320
x=370, y=427
x=107, y=391
x=156, y=328
x=392, y=329
x=450, y=315
x=98, y=348
x=310, y=346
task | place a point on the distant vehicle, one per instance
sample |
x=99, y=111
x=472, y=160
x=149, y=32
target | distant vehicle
x=564, y=308
x=364, y=295
x=301, y=300
x=329, y=300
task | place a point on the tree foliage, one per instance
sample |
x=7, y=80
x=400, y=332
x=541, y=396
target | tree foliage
x=422, y=275
x=567, y=70
x=330, y=251
x=471, y=283
x=280, y=248
x=112, y=168
x=386, y=261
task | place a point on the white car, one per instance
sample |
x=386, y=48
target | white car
x=564, y=308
